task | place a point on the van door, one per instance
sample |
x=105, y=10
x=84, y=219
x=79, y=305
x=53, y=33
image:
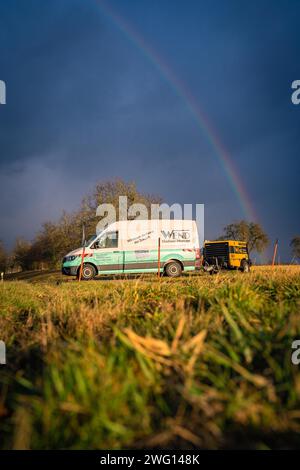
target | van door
x=140, y=261
x=106, y=253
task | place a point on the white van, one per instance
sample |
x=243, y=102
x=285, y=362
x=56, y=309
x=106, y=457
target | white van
x=136, y=246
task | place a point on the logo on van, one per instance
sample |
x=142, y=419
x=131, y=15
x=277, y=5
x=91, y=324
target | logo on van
x=176, y=235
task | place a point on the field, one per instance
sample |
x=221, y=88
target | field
x=200, y=361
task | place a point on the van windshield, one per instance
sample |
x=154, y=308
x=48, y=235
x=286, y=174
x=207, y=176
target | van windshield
x=91, y=239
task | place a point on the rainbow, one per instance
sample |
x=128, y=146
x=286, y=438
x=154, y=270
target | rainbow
x=181, y=90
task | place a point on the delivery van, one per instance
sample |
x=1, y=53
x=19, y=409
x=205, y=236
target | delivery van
x=137, y=246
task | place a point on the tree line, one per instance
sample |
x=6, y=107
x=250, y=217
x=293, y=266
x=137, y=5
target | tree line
x=55, y=239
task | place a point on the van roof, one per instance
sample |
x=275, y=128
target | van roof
x=154, y=221
x=157, y=220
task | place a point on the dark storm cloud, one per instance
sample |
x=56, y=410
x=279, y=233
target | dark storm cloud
x=85, y=103
x=52, y=73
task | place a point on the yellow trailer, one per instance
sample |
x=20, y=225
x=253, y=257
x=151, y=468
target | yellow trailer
x=226, y=254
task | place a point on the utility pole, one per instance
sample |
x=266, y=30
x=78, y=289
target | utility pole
x=83, y=252
x=275, y=252
x=158, y=260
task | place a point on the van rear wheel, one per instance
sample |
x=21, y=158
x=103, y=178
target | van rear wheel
x=88, y=272
x=173, y=269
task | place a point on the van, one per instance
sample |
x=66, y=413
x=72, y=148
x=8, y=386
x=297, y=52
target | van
x=138, y=246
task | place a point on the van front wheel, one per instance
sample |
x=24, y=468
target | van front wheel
x=88, y=272
x=173, y=269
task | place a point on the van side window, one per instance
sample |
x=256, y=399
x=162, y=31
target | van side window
x=109, y=240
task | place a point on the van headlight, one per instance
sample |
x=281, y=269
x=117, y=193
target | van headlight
x=70, y=258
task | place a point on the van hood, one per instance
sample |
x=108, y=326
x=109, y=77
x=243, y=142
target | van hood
x=78, y=251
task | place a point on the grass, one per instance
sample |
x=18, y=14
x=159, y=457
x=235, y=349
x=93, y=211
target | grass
x=200, y=361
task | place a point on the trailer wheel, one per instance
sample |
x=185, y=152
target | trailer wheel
x=173, y=269
x=245, y=268
x=88, y=272
x=214, y=270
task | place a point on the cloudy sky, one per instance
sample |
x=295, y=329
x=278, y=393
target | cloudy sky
x=125, y=88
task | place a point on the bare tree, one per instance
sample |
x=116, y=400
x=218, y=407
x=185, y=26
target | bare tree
x=21, y=254
x=295, y=245
x=55, y=239
x=3, y=258
x=250, y=232
x=108, y=192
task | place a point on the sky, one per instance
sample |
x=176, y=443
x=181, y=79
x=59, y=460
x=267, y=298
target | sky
x=189, y=99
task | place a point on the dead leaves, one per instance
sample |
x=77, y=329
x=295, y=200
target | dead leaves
x=180, y=354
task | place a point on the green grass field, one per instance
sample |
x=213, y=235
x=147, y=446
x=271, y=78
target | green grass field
x=200, y=361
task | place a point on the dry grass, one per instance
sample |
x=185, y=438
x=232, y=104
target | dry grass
x=197, y=361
